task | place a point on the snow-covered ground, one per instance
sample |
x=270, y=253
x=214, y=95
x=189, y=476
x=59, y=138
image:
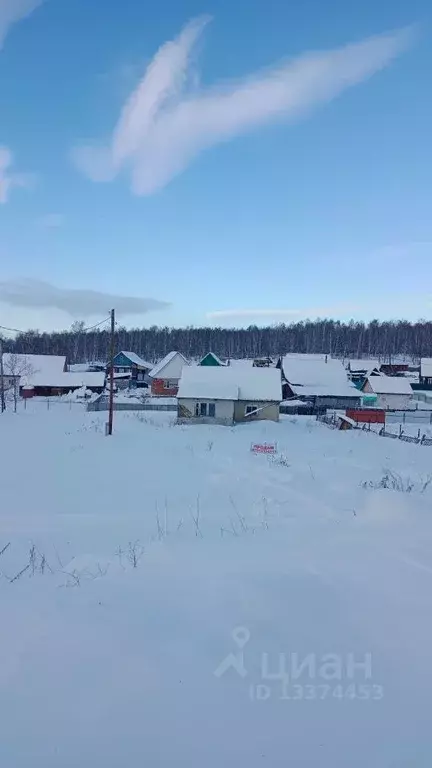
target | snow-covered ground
x=189, y=603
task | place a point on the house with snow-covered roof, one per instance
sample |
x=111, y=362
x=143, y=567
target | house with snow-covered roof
x=228, y=395
x=358, y=370
x=131, y=368
x=392, y=392
x=426, y=372
x=166, y=374
x=211, y=359
x=20, y=370
x=320, y=380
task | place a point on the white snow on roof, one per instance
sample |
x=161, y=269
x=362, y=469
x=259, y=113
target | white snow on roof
x=426, y=367
x=67, y=379
x=79, y=367
x=215, y=357
x=356, y=366
x=170, y=367
x=227, y=383
x=245, y=363
x=27, y=366
x=308, y=355
x=314, y=376
x=390, y=385
x=134, y=358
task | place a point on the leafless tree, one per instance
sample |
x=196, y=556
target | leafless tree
x=15, y=368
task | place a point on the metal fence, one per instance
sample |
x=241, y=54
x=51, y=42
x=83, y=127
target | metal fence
x=49, y=403
x=409, y=417
x=103, y=405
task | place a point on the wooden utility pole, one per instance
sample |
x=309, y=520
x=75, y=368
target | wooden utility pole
x=111, y=374
x=2, y=383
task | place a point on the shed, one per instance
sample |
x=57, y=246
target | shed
x=393, y=392
x=319, y=379
x=227, y=395
x=345, y=422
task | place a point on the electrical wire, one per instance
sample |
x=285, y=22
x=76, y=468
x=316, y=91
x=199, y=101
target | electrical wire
x=84, y=330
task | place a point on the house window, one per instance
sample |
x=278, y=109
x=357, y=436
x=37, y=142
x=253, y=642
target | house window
x=168, y=384
x=250, y=409
x=205, y=409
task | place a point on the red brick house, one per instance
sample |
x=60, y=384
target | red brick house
x=165, y=375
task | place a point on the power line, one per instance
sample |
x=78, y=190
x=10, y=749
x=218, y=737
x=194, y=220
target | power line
x=84, y=330
x=12, y=330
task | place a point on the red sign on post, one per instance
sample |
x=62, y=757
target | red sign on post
x=264, y=448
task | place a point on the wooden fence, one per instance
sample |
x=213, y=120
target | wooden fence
x=332, y=421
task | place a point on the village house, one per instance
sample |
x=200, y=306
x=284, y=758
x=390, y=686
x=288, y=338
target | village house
x=46, y=375
x=426, y=372
x=394, y=369
x=358, y=370
x=228, y=395
x=166, y=374
x=55, y=385
x=210, y=359
x=392, y=392
x=319, y=380
x=19, y=368
x=132, y=369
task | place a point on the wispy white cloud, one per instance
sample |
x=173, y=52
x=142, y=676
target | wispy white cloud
x=12, y=11
x=223, y=313
x=51, y=221
x=164, y=125
x=281, y=314
x=76, y=302
x=9, y=179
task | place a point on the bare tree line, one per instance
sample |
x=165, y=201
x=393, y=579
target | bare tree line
x=343, y=339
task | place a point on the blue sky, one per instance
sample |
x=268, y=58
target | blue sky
x=240, y=200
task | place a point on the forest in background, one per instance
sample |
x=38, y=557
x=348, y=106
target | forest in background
x=350, y=339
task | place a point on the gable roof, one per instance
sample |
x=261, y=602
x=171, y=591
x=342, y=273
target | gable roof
x=215, y=357
x=66, y=379
x=136, y=359
x=390, y=385
x=174, y=371
x=28, y=366
x=313, y=376
x=426, y=367
x=357, y=366
x=226, y=383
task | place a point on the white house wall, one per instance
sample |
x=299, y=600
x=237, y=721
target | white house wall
x=224, y=409
x=269, y=411
x=394, y=401
x=173, y=369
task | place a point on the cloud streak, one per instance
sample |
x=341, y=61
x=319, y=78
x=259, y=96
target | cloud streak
x=164, y=125
x=12, y=11
x=280, y=314
x=77, y=303
x=8, y=179
x=51, y=221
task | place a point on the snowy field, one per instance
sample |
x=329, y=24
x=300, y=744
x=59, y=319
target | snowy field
x=171, y=599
